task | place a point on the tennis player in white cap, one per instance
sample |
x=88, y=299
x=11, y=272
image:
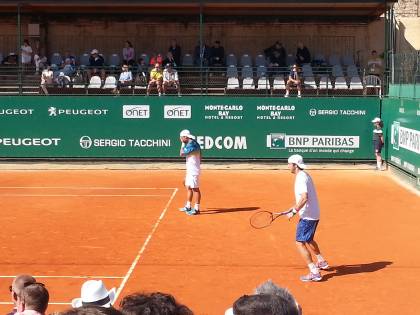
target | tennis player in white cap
x=308, y=208
x=378, y=142
x=191, y=150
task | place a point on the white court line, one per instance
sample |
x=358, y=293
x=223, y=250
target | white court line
x=144, y=246
x=84, y=187
x=70, y=195
x=71, y=277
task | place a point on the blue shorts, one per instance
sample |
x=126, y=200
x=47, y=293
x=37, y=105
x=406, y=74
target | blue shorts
x=305, y=230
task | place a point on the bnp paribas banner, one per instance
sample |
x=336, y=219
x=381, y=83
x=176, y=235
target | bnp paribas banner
x=148, y=127
x=402, y=116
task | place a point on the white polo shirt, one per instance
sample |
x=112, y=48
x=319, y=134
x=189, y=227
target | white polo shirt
x=304, y=183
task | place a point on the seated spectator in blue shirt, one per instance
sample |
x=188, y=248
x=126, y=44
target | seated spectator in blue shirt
x=96, y=64
x=294, y=79
x=68, y=68
x=302, y=54
x=126, y=79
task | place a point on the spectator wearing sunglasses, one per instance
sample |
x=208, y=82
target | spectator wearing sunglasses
x=17, y=287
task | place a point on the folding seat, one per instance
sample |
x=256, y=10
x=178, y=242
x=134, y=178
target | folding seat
x=110, y=82
x=261, y=71
x=348, y=60
x=95, y=82
x=307, y=71
x=373, y=85
x=114, y=61
x=337, y=71
x=247, y=72
x=187, y=60
x=324, y=83
x=334, y=60
x=84, y=60
x=340, y=83
x=232, y=71
x=290, y=60
x=356, y=85
x=263, y=83
x=260, y=61
x=231, y=60
x=279, y=86
x=246, y=60
x=248, y=84
x=232, y=83
x=145, y=57
x=56, y=59
x=352, y=71
x=310, y=83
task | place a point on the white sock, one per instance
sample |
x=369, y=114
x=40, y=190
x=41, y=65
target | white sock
x=313, y=268
x=320, y=258
x=379, y=164
x=197, y=206
x=188, y=204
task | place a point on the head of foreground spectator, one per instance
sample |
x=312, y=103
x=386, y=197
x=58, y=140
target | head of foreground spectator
x=17, y=286
x=155, y=303
x=33, y=299
x=94, y=292
x=90, y=310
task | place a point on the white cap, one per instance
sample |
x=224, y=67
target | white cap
x=94, y=51
x=296, y=159
x=186, y=133
x=376, y=119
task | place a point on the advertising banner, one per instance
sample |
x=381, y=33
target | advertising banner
x=148, y=127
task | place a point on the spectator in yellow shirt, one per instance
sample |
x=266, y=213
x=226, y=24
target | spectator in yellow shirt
x=156, y=78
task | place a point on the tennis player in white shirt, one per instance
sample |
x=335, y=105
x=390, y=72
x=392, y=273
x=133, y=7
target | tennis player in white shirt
x=308, y=208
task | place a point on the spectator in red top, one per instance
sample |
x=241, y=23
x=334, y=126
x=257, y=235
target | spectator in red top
x=156, y=59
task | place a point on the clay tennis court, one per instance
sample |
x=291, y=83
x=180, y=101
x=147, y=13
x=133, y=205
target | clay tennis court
x=124, y=227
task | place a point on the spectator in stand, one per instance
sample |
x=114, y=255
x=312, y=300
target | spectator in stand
x=302, y=54
x=47, y=79
x=156, y=59
x=170, y=78
x=68, y=55
x=374, y=64
x=201, y=54
x=217, y=55
x=141, y=72
x=170, y=59
x=276, y=62
x=156, y=303
x=40, y=62
x=258, y=304
x=294, y=80
x=10, y=59
x=96, y=64
x=26, y=51
x=63, y=80
x=175, y=50
x=129, y=54
x=276, y=54
x=156, y=77
x=125, y=79
x=16, y=289
x=33, y=299
x=68, y=68
x=94, y=293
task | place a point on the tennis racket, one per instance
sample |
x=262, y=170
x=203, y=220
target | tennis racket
x=262, y=219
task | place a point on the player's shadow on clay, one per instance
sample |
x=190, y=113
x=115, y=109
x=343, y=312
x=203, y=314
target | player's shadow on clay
x=227, y=210
x=356, y=268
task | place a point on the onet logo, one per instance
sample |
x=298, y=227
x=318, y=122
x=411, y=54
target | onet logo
x=52, y=111
x=85, y=142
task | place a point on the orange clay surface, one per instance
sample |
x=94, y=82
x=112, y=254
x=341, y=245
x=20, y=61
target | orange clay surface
x=369, y=232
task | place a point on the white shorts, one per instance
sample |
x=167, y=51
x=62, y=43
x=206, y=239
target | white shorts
x=192, y=181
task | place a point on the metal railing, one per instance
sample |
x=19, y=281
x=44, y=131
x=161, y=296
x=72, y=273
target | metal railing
x=233, y=81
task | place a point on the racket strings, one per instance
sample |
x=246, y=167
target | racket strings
x=261, y=219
